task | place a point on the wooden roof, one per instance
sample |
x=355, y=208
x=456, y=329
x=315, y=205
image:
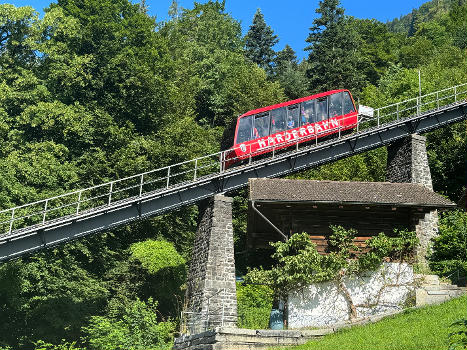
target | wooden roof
x=345, y=192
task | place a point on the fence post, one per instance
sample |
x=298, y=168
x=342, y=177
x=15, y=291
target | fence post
x=196, y=169
x=79, y=202
x=11, y=220
x=220, y=161
x=455, y=93
x=378, y=118
x=110, y=191
x=168, y=177
x=437, y=98
x=45, y=210
x=141, y=185
x=397, y=110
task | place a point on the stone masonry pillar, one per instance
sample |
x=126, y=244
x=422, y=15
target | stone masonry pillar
x=211, y=291
x=408, y=162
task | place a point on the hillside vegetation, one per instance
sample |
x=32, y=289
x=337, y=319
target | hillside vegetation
x=98, y=90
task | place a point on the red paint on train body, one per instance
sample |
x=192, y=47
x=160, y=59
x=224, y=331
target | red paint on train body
x=275, y=127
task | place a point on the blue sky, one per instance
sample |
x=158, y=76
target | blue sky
x=289, y=19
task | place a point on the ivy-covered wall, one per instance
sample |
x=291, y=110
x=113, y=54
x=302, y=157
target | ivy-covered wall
x=373, y=292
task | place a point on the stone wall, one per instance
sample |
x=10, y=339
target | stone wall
x=408, y=162
x=211, y=292
x=246, y=339
x=372, y=293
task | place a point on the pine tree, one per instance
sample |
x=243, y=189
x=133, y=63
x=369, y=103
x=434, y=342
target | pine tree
x=259, y=42
x=285, y=58
x=333, y=59
x=289, y=74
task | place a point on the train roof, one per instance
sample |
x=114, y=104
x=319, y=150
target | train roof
x=292, y=102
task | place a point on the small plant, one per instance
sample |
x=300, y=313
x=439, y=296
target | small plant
x=458, y=338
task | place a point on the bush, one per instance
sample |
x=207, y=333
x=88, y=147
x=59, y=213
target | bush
x=449, y=254
x=136, y=329
x=254, y=303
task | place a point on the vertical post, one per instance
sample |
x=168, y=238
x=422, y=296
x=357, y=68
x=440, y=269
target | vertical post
x=110, y=191
x=141, y=185
x=196, y=169
x=168, y=177
x=419, y=85
x=378, y=118
x=455, y=93
x=221, y=161
x=358, y=121
x=437, y=98
x=79, y=202
x=11, y=220
x=45, y=210
x=397, y=109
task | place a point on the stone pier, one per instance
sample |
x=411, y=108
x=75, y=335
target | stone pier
x=408, y=162
x=211, y=292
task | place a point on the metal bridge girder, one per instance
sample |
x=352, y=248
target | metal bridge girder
x=31, y=239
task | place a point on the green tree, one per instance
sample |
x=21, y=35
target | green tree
x=289, y=74
x=333, y=50
x=259, y=42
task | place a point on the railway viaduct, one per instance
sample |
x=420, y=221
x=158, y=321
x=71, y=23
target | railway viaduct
x=211, y=288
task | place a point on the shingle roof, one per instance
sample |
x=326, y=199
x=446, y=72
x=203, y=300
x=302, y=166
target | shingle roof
x=381, y=193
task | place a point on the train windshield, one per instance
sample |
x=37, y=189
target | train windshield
x=261, y=126
x=244, y=129
x=321, y=109
x=278, y=120
x=335, y=105
x=348, y=104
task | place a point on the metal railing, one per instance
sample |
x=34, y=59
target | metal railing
x=84, y=201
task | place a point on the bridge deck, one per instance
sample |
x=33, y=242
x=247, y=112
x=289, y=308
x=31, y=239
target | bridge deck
x=375, y=133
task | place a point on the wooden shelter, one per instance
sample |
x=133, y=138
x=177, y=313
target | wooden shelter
x=280, y=207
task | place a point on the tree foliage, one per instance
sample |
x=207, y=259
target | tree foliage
x=333, y=50
x=259, y=43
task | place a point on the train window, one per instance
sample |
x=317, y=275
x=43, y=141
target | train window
x=308, y=114
x=244, y=129
x=278, y=120
x=348, y=104
x=261, y=126
x=321, y=109
x=335, y=105
x=293, y=115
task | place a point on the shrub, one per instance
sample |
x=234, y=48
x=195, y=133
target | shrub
x=449, y=253
x=254, y=303
x=136, y=329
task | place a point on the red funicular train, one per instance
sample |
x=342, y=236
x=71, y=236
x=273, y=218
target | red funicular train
x=282, y=125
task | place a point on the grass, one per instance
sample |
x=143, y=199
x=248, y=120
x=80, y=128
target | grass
x=414, y=329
